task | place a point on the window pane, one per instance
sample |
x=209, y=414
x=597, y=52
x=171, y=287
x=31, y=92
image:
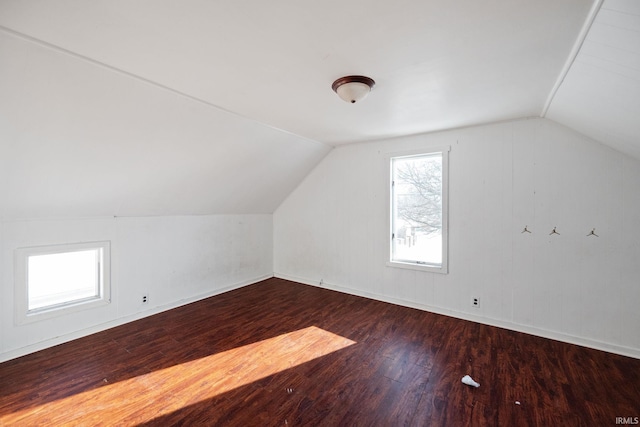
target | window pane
x=417, y=209
x=63, y=277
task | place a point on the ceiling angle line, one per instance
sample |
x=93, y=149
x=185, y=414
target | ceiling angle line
x=144, y=80
x=573, y=55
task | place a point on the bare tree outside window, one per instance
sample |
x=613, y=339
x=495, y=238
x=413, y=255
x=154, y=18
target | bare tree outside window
x=420, y=204
x=417, y=186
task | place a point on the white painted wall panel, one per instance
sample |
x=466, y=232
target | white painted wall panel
x=627, y=254
x=3, y=326
x=172, y=259
x=503, y=177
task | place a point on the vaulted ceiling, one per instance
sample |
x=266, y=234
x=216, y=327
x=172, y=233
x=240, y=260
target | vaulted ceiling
x=113, y=107
x=600, y=95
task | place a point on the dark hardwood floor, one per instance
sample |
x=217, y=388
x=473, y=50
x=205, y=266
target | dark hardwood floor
x=280, y=353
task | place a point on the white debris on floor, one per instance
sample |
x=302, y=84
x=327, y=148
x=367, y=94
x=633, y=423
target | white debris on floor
x=469, y=381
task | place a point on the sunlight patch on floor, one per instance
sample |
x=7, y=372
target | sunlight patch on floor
x=167, y=390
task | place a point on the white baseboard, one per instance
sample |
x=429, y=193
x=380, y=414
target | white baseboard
x=544, y=333
x=22, y=351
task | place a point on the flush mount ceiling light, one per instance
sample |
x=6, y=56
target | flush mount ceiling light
x=353, y=88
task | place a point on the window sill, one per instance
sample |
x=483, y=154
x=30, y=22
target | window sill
x=419, y=267
x=51, y=312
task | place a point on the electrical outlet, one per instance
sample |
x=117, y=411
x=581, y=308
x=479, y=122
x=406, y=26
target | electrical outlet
x=145, y=298
x=475, y=302
x=321, y=282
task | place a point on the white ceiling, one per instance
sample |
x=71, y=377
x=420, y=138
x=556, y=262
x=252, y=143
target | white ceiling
x=203, y=106
x=438, y=64
x=77, y=140
x=600, y=95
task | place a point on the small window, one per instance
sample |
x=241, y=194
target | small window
x=418, y=211
x=51, y=280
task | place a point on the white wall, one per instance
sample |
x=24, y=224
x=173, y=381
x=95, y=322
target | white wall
x=579, y=289
x=174, y=260
x=3, y=304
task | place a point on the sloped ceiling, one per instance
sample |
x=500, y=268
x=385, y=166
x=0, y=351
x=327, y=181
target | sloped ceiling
x=81, y=140
x=600, y=95
x=113, y=107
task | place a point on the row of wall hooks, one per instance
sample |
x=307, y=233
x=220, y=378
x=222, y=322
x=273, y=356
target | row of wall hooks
x=554, y=231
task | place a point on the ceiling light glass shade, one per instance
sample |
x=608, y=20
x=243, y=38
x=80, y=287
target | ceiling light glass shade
x=353, y=88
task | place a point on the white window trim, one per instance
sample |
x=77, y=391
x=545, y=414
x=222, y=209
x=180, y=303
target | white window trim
x=444, y=268
x=24, y=315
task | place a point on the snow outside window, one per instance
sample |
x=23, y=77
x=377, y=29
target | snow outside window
x=418, y=211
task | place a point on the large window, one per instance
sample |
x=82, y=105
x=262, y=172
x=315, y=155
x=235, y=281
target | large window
x=418, y=210
x=51, y=280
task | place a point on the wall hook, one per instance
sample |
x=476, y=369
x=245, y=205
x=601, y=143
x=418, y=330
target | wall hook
x=554, y=232
x=526, y=230
x=593, y=233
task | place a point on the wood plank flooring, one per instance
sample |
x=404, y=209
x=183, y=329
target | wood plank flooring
x=279, y=353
